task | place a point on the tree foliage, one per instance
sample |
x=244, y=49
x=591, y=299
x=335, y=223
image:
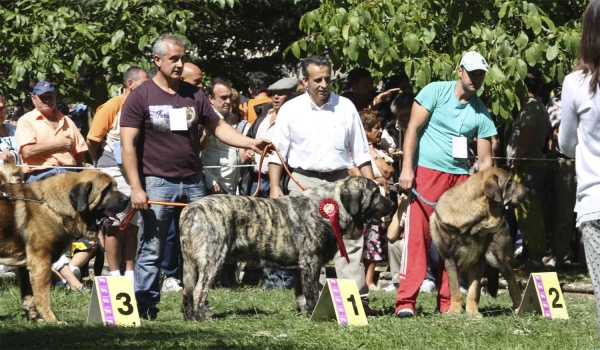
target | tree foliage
x=426, y=38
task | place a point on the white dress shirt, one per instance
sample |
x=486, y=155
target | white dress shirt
x=320, y=139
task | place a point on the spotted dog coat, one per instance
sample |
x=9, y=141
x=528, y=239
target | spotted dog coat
x=467, y=226
x=284, y=233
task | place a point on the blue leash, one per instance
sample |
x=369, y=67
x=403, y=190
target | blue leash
x=414, y=191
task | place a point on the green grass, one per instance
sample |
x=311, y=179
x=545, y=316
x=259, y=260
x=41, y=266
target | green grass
x=253, y=319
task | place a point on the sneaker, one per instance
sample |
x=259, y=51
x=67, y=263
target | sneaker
x=171, y=285
x=149, y=314
x=207, y=312
x=404, y=313
x=463, y=290
x=390, y=288
x=550, y=263
x=427, y=286
x=518, y=251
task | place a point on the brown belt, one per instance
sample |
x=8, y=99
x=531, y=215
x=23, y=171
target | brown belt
x=317, y=173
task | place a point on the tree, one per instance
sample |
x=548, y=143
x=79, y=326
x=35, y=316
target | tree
x=426, y=38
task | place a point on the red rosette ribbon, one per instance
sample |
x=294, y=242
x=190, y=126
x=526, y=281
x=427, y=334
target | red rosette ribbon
x=328, y=208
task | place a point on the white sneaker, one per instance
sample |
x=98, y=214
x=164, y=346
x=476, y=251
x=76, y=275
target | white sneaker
x=463, y=290
x=389, y=288
x=406, y=312
x=171, y=285
x=427, y=286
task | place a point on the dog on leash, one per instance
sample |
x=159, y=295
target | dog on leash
x=468, y=229
x=285, y=233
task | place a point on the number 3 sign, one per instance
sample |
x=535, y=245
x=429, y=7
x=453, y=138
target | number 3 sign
x=113, y=302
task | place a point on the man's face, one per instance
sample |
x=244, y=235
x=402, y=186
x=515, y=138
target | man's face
x=364, y=88
x=171, y=64
x=142, y=77
x=471, y=81
x=280, y=97
x=318, y=82
x=403, y=118
x=45, y=102
x=193, y=77
x=221, y=102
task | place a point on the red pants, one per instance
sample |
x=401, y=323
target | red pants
x=430, y=184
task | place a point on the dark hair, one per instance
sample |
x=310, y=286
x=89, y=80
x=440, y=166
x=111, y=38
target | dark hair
x=532, y=83
x=589, y=47
x=152, y=72
x=403, y=101
x=218, y=80
x=62, y=107
x=133, y=74
x=355, y=75
x=370, y=119
x=259, y=82
x=394, y=81
x=317, y=61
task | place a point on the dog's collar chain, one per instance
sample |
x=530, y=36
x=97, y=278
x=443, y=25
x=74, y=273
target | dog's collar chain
x=5, y=195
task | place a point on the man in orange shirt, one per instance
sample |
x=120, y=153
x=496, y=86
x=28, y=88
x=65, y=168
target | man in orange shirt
x=103, y=141
x=47, y=138
x=259, y=89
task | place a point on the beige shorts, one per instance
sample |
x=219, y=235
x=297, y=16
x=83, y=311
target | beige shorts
x=118, y=173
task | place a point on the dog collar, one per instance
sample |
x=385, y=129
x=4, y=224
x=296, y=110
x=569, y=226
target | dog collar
x=328, y=208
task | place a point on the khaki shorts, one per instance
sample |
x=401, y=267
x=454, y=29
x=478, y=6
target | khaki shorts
x=118, y=173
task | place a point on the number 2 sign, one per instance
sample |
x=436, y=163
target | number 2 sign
x=544, y=296
x=113, y=302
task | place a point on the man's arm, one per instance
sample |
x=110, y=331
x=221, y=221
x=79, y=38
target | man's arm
x=484, y=153
x=46, y=148
x=274, y=178
x=129, y=137
x=367, y=171
x=232, y=137
x=94, y=149
x=418, y=117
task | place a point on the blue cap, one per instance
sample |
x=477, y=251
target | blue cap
x=43, y=87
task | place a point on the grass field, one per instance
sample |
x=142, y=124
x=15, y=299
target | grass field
x=253, y=319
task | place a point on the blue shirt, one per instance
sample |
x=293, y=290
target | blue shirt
x=449, y=118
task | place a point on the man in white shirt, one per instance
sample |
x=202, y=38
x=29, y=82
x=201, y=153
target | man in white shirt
x=321, y=137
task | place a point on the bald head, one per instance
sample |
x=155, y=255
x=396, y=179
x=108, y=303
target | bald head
x=192, y=74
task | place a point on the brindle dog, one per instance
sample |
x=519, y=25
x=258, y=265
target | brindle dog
x=467, y=224
x=284, y=233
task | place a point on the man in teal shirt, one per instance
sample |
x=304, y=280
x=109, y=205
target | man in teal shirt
x=445, y=118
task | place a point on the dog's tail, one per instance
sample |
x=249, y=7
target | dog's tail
x=493, y=280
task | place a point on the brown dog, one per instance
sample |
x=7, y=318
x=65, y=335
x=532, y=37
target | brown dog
x=467, y=224
x=38, y=221
x=10, y=174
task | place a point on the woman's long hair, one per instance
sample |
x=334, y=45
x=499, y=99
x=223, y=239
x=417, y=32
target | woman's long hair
x=589, y=48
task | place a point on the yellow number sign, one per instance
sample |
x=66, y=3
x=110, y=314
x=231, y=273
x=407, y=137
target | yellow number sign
x=113, y=302
x=340, y=300
x=544, y=296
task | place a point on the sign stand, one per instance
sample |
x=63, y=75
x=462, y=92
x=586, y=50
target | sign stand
x=113, y=302
x=543, y=295
x=340, y=300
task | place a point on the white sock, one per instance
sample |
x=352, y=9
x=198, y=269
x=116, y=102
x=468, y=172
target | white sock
x=129, y=273
x=115, y=273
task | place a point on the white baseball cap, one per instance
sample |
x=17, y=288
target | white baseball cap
x=472, y=60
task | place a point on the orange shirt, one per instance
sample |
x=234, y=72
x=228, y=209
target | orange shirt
x=33, y=128
x=250, y=114
x=104, y=119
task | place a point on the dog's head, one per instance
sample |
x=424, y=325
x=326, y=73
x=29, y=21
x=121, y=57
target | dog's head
x=362, y=198
x=11, y=174
x=500, y=187
x=96, y=198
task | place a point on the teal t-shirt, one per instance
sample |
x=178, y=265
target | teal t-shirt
x=449, y=118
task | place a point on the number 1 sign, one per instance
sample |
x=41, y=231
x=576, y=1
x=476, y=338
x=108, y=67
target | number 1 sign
x=113, y=302
x=340, y=300
x=544, y=296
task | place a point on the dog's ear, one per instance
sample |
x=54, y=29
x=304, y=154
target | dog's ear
x=492, y=189
x=351, y=198
x=79, y=195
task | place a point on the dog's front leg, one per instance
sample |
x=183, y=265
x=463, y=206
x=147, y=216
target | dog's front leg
x=475, y=274
x=454, y=282
x=40, y=276
x=309, y=289
x=26, y=293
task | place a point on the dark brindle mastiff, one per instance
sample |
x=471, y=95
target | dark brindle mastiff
x=38, y=221
x=284, y=233
x=467, y=226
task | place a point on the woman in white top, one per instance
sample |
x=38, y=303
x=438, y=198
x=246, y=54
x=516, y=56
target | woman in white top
x=579, y=137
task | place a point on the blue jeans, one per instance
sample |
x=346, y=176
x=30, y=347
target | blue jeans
x=155, y=224
x=265, y=187
x=39, y=174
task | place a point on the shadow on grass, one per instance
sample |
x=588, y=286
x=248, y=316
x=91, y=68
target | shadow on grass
x=492, y=311
x=243, y=312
